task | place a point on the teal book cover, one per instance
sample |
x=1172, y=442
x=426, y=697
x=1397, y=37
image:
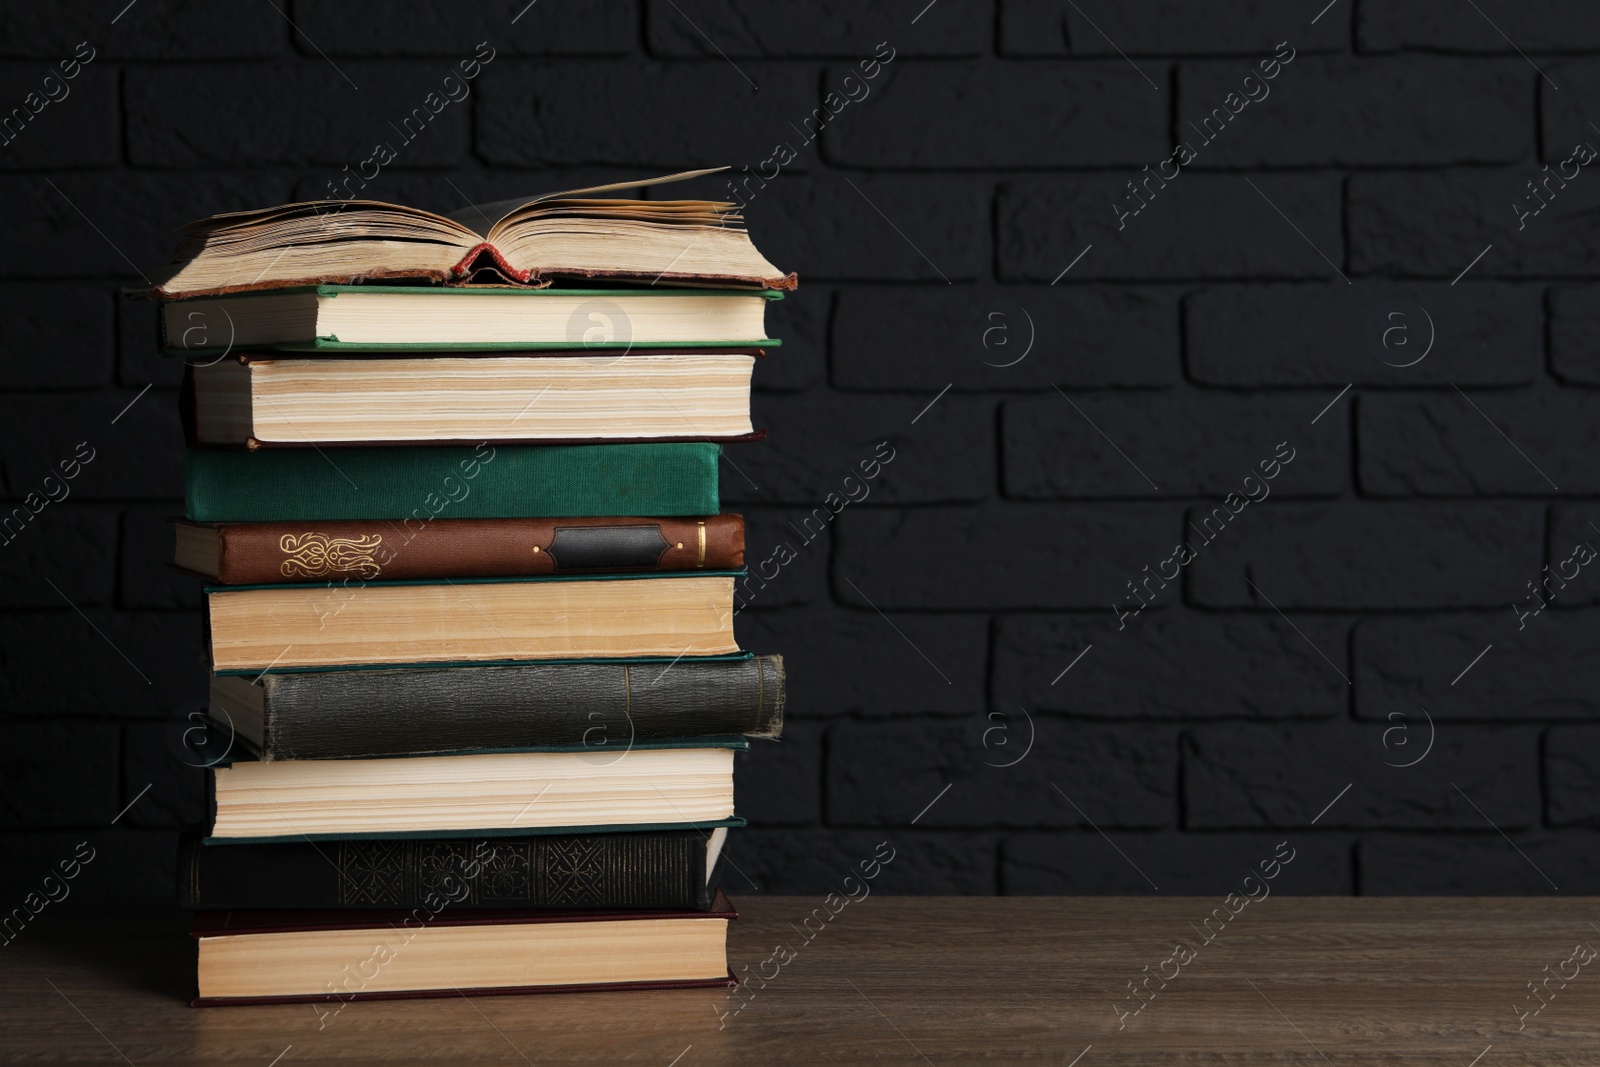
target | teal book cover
x=417, y=485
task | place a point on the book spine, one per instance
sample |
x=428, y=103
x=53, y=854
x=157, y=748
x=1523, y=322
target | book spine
x=416, y=486
x=603, y=707
x=275, y=552
x=622, y=870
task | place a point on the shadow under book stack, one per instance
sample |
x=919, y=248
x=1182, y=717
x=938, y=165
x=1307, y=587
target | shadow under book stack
x=469, y=597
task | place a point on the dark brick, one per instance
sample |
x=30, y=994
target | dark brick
x=817, y=441
x=1539, y=670
x=1440, y=25
x=67, y=546
x=1575, y=334
x=1172, y=665
x=779, y=782
x=840, y=661
x=800, y=321
x=1004, y=337
x=875, y=228
x=58, y=335
x=139, y=455
x=887, y=772
x=1170, y=444
x=633, y=114
x=1279, y=776
x=115, y=224
x=54, y=121
x=1479, y=865
x=1343, y=112
x=1160, y=27
x=712, y=29
x=1334, y=334
x=1355, y=557
x=1081, y=862
x=1572, y=775
x=150, y=29
x=1461, y=444
x=998, y=556
x=818, y=862
x=1435, y=224
x=942, y=115
x=154, y=755
x=1570, y=527
x=61, y=663
x=421, y=28
x=1199, y=226
x=147, y=578
x=57, y=774
x=295, y=114
x=121, y=864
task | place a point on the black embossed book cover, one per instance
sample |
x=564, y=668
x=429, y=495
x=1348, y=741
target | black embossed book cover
x=657, y=869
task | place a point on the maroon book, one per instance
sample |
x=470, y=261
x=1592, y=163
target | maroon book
x=517, y=940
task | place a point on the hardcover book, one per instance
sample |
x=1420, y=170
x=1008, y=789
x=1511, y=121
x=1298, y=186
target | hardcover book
x=388, y=318
x=267, y=553
x=258, y=401
x=603, y=707
x=681, y=783
x=258, y=957
x=415, y=486
x=575, y=233
x=656, y=869
x=474, y=620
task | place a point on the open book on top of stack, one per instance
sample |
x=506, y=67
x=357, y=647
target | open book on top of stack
x=572, y=235
x=469, y=594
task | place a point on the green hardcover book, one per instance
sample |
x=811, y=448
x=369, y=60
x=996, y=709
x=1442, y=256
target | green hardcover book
x=420, y=484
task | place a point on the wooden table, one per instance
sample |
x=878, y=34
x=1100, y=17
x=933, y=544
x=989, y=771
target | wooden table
x=898, y=980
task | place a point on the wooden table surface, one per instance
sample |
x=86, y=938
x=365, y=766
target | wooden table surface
x=899, y=980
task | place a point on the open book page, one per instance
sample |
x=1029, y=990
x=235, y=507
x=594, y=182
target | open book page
x=482, y=218
x=329, y=215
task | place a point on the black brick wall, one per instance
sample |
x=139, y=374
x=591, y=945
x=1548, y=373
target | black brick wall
x=1073, y=381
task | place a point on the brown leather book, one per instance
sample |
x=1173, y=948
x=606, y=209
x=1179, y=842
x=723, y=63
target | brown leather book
x=272, y=553
x=435, y=950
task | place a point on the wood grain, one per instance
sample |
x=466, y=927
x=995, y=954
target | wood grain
x=1369, y=981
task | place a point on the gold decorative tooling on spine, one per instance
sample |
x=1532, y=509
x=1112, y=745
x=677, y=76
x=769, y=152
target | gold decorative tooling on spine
x=701, y=562
x=313, y=555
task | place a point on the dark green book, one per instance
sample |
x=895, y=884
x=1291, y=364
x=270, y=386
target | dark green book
x=652, y=869
x=606, y=708
x=417, y=485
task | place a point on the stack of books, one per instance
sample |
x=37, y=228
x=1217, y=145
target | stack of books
x=469, y=601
